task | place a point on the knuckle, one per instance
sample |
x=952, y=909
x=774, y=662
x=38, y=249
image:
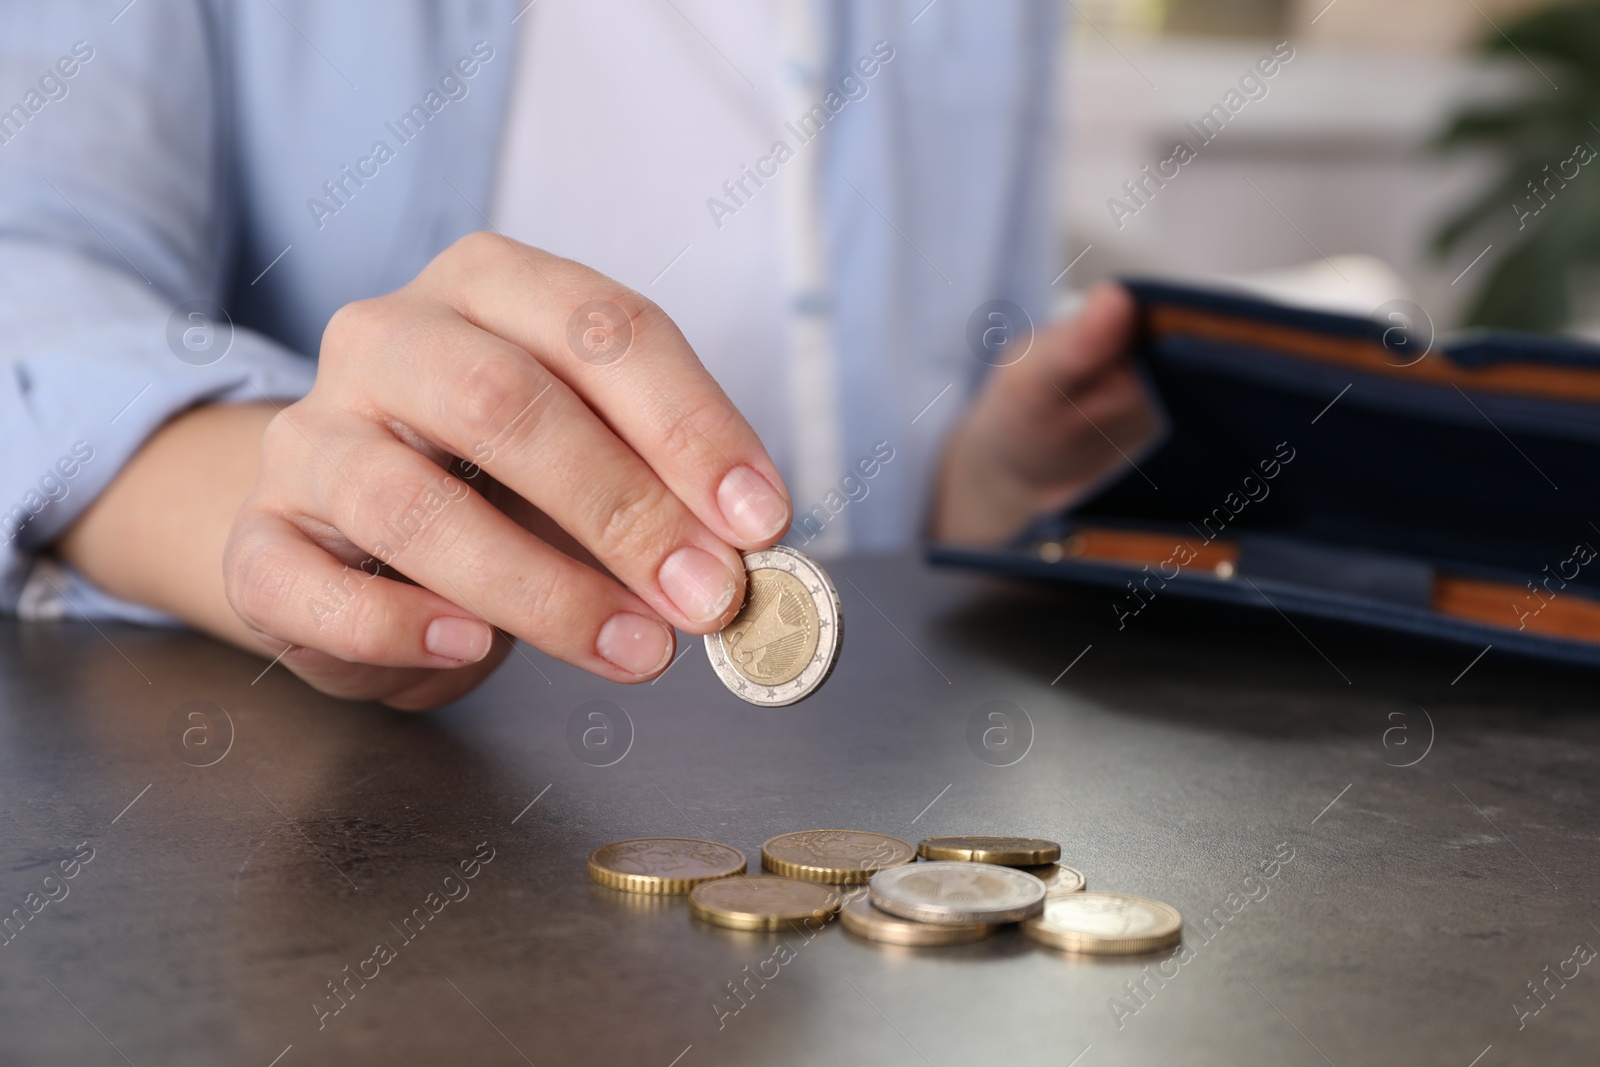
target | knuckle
x=475, y=248
x=257, y=580
x=645, y=316
x=354, y=326
x=494, y=400
x=368, y=629
x=541, y=592
x=364, y=332
x=629, y=522
x=688, y=431
x=398, y=507
x=468, y=260
x=281, y=438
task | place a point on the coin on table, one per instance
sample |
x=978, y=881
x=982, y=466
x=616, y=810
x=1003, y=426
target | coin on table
x=1112, y=924
x=953, y=892
x=1001, y=851
x=1058, y=878
x=838, y=857
x=783, y=644
x=864, y=920
x=663, y=864
x=762, y=902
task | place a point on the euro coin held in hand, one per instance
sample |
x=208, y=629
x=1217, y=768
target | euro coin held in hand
x=783, y=644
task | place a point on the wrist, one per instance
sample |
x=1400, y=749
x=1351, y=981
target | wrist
x=155, y=535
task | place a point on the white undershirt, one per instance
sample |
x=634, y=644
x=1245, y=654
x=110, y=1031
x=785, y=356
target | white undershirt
x=624, y=119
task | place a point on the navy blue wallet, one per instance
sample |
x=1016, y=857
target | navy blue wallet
x=1332, y=466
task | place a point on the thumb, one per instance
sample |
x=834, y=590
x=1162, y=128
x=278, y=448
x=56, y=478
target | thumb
x=1072, y=354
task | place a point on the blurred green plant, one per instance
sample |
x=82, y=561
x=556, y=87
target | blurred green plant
x=1545, y=205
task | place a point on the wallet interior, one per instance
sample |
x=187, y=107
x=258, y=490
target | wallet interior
x=1320, y=462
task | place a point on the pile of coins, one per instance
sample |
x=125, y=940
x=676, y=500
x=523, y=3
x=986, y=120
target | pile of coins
x=943, y=891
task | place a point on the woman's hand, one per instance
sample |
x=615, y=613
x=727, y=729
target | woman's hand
x=1047, y=428
x=382, y=562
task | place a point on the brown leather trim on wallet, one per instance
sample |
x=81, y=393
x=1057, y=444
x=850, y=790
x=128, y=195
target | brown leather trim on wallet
x=1525, y=379
x=1132, y=546
x=1497, y=604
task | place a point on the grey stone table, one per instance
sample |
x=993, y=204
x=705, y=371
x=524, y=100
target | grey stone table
x=1382, y=850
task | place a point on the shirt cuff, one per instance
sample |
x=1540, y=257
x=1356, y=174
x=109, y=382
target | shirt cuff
x=57, y=463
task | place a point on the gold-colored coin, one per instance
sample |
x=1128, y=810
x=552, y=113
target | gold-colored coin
x=838, y=857
x=863, y=920
x=763, y=902
x=1058, y=878
x=775, y=635
x=1000, y=851
x=1110, y=924
x=784, y=641
x=663, y=864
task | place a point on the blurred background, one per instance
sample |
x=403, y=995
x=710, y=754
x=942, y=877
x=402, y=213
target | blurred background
x=1436, y=150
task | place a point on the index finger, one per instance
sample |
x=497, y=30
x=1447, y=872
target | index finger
x=629, y=362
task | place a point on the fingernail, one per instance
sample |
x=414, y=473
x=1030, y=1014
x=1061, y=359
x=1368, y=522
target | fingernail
x=697, y=584
x=634, y=643
x=751, y=506
x=467, y=640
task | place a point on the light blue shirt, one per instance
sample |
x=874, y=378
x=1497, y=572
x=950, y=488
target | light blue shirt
x=167, y=156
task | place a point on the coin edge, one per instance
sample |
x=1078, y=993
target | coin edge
x=977, y=931
x=754, y=921
x=975, y=855
x=657, y=885
x=1019, y=913
x=853, y=876
x=1090, y=945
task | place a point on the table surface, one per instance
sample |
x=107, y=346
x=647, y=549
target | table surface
x=238, y=872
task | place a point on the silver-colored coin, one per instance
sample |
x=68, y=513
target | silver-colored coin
x=783, y=644
x=957, y=892
x=861, y=918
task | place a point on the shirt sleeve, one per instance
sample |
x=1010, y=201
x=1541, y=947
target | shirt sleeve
x=115, y=241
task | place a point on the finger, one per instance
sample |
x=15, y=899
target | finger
x=1072, y=354
x=1116, y=402
x=1117, y=411
x=284, y=586
x=482, y=397
x=430, y=689
x=402, y=509
x=647, y=382
x=404, y=688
